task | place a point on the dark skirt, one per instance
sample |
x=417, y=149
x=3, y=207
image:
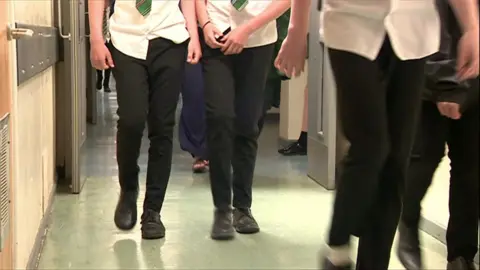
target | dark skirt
x=192, y=120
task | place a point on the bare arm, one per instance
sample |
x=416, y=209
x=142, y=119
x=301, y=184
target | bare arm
x=466, y=12
x=96, y=11
x=202, y=14
x=188, y=9
x=299, y=17
x=272, y=12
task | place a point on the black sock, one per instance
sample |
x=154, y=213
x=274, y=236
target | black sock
x=302, y=140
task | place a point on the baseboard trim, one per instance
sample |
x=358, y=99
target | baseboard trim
x=34, y=258
x=433, y=229
x=437, y=231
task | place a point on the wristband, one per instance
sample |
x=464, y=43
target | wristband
x=205, y=24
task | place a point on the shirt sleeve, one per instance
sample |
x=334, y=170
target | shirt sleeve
x=440, y=68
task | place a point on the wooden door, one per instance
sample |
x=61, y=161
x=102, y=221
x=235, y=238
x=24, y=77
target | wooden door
x=6, y=245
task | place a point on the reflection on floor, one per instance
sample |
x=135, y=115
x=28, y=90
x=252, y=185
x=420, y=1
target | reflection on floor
x=292, y=211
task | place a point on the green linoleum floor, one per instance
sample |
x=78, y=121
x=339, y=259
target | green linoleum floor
x=292, y=210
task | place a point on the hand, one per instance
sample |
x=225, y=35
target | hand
x=449, y=109
x=234, y=41
x=100, y=56
x=291, y=57
x=467, y=58
x=194, y=51
x=211, y=33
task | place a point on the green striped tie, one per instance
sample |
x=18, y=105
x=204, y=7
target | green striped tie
x=105, y=25
x=239, y=4
x=144, y=6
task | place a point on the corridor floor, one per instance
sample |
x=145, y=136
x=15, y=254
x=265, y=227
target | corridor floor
x=292, y=210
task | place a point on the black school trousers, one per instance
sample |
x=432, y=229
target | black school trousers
x=147, y=93
x=378, y=102
x=434, y=132
x=234, y=96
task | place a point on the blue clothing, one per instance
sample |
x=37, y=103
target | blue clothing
x=192, y=129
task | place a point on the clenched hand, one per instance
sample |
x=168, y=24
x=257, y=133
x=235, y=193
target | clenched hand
x=100, y=56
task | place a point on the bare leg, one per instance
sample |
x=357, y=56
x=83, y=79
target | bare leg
x=305, y=111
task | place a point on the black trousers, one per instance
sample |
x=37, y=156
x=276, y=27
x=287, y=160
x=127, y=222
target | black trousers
x=378, y=104
x=148, y=92
x=462, y=138
x=234, y=95
x=100, y=78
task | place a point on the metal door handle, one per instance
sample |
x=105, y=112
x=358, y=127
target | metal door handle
x=60, y=23
x=17, y=33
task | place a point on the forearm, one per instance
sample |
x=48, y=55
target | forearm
x=299, y=16
x=96, y=10
x=188, y=9
x=272, y=12
x=201, y=11
x=466, y=12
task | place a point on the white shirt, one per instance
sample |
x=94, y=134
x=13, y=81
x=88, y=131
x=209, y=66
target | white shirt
x=360, y=27
x=223, y=15
x=131, y=32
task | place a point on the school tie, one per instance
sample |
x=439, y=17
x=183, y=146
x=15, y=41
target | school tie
x=106, y=32
x=144, y=6
x=239, y=4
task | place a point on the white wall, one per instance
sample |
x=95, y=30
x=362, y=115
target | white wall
x=291, y=106
x=33, y=116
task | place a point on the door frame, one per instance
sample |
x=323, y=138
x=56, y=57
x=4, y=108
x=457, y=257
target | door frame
x=7, y=254
x=71, y=97
x=322, y=109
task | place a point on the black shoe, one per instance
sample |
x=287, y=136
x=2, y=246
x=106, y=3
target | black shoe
x=408, y=251
x=244, y=222
x=294, y=149
x=152, y=226
x=222, y=228
x=328, y=265
x=461, y=264
x=126, y=211
x=99, y=85
x=107, y=89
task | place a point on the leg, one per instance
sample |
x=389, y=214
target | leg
x=219, y=99
x=428, y=151
x=251, y=70
x=273, y=85
x=192, y=119
x=166, y=62
x=106, y=81
x=404, y=90
x=305, y=110
x=132, y=96
x=362, y=111
x=462, y=231
x=99, y=79
x=300, y=146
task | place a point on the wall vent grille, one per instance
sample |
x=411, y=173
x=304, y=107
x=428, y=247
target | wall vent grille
x=4, y=179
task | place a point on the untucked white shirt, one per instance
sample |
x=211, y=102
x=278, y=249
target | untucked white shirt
x=361, y=26
x=223, y=15
x=131, y=32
